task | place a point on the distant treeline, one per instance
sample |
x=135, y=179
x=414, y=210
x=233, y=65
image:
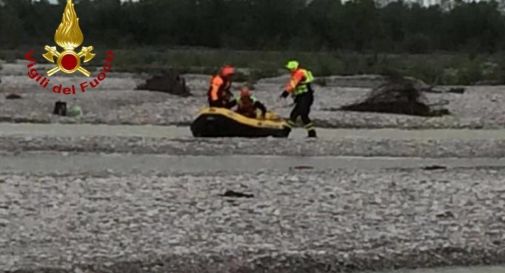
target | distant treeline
x=357, y=25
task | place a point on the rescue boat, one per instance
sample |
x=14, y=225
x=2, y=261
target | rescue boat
x=222, y=122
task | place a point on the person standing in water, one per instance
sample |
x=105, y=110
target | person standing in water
x=299, y=87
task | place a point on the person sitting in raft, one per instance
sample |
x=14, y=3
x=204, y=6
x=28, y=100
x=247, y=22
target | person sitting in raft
x=219, y=94
x=247, y=104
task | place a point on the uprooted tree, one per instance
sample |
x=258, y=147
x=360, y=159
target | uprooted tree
x=398, y=96
x=167, y=82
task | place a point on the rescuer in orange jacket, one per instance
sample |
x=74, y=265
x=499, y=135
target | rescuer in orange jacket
x=247, y=104
x=219, y=94
x=299, y=86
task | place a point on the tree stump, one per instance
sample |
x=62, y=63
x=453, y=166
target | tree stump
x=167, y=82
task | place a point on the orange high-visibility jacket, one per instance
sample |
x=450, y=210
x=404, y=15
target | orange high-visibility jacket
x=298, y=76
x=218, y=88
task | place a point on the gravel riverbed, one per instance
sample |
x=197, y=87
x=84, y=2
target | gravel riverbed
x=331, y=221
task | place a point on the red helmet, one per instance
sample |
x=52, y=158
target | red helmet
x=227, y=70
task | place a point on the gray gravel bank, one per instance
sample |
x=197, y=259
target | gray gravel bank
x=116, y=103
x=331, y=221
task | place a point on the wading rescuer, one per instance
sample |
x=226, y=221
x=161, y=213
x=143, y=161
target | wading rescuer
x=247, y=104
x=219, y=94
x=299, y=86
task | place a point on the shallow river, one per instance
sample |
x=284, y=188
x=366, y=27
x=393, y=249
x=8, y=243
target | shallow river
x=484, y=269
x=81, y=162
x=79, y=130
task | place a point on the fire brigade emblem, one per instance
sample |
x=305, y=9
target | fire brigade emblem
x=69, y=37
